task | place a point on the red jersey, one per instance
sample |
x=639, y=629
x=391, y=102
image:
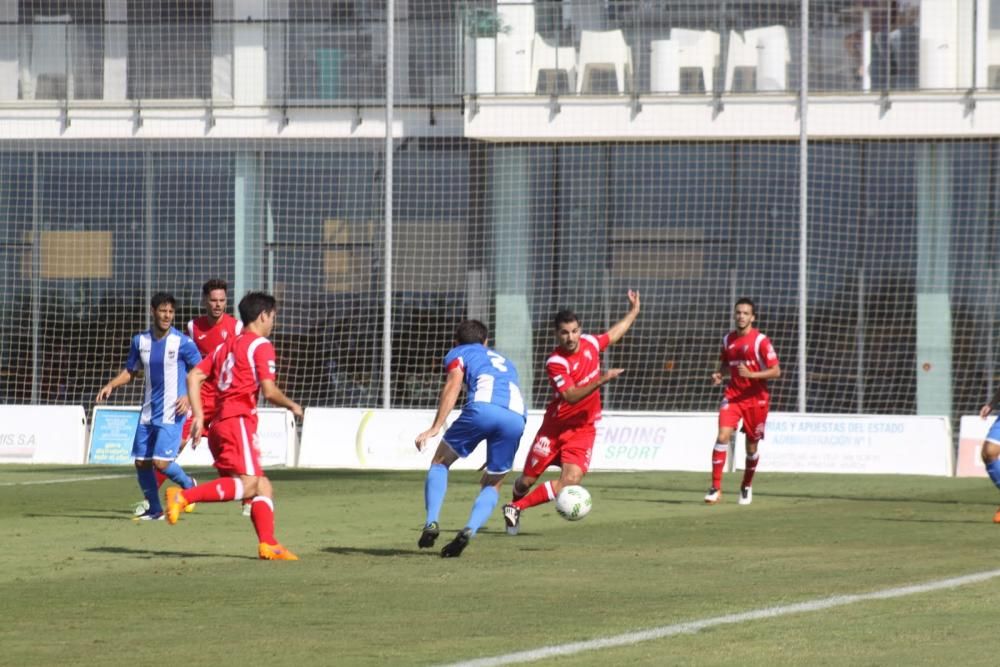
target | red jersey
x=754, y=350
x=236, y=369
x=208, y=336
x=575, y=370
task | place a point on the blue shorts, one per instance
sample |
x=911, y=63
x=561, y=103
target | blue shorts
x=994, y=433
x=500, y=427
x=157, y=441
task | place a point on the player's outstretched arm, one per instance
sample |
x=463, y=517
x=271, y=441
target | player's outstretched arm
x=446, y=403
x=275, y=396
x=122, y=378
x=616, y=332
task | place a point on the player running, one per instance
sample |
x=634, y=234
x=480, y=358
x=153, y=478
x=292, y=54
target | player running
x=752, y=361
x=566, y=437
x=240, y=368
x=494, y=410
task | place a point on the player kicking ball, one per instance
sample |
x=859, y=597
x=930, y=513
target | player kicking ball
x=240, y=368
x=494, y=411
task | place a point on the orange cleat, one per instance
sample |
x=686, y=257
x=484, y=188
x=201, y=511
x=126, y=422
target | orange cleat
x=996, y=517
x=175, y=504
x=274, y=552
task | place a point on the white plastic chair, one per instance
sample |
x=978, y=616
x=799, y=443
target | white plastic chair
x=547, y=59
x=698, y=49
x=766, y=51
x=603, y=51
x=49, y=76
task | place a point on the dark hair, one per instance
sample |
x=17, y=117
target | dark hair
x=564, y=317
x=161, y=298
x=471, y=331
x=255, y=303
x=748, y=301
x=214, y=284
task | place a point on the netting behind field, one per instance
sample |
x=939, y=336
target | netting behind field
x=902, y=281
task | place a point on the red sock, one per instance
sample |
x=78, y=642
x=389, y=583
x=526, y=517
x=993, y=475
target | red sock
x=160, y=477
x=719, y=454
x=217, y=491
x=262, y=515
x=750, y=469
x=540, y=495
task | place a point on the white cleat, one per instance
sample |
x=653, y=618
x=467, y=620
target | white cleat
x=746, y=495
x=713, y=496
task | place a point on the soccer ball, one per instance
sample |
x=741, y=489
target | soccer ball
x=573, y=503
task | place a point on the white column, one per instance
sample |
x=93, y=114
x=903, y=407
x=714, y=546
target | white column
x=115, y=50
x=8, y=51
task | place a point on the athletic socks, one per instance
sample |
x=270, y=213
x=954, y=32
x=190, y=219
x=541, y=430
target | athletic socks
x=262, y=515
x=177, y=475
x=482, y=508
x=993, y=470
x=147, y=482
x=719, y=453
x=160, y=477
x=217, y=491
x=541, y=494
x=750, y=469
x=435, y=487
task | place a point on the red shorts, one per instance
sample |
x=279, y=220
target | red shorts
x=753, y=412
x=557, y=445
x=235, y=446
x=207, y=409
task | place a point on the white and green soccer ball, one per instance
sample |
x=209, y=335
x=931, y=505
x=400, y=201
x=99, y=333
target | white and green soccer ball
x=573, y=503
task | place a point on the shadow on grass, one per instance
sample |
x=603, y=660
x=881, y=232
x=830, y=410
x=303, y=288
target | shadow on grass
x=373, y=551
x=158, y=553
x=106, y=515
x=947, y=521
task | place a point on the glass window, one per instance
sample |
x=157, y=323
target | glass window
x=61, y=49
x=170, y=49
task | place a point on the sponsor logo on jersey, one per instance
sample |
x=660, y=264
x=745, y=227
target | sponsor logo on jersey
x=542, y=447
x=587, y=354
x=202, y=336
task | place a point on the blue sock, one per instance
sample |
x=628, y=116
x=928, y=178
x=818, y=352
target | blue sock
x=147, y=482
x=435, y=486
x=482, y=508
x=177, y=475
x=993, y=470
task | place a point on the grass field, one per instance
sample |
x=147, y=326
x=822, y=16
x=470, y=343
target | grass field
x=84, y=584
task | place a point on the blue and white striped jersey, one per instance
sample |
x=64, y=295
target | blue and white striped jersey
x=166, y=363
x=489, y=376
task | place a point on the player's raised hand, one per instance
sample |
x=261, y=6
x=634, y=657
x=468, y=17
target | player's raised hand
x=633, y=298
x=717, y=378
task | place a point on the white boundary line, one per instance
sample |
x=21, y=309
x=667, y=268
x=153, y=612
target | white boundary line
x=64, y=480
x=691, y=627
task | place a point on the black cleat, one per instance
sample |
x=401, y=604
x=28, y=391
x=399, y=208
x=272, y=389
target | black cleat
x=454, y=548
x=512, y=518
x=429, y=535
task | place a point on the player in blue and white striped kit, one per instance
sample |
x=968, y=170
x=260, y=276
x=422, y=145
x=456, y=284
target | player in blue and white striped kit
x=494, y=410
x=165, y=356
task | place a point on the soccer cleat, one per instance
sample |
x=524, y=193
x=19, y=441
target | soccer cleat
x=713, y=496
x=512, y=517
x=454, y=548
x=274, y=552
x=190, y=506
x=429, y=535
x=247, y=509
x=140, y=507
x=148, y=516
x=996, y=517
x=175, y=504
x=746, y=495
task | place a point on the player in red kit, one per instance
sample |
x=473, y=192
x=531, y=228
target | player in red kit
x=566, y=437
x=240, y=368
x=752, y=361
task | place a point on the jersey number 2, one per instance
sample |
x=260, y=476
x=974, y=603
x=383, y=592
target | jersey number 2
x=498, y=362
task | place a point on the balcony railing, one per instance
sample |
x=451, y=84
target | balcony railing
x=444, y=50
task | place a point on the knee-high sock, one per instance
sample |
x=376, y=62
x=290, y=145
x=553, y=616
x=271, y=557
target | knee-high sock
x=750, y=469
x=435, y=488
x=176, y=473
x=262, y=516
x=719, y=453
x=540, y=494
x=217, y=491
x=993, y=470
x=482, y=508
x=147, y=482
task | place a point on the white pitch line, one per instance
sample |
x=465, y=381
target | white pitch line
x=630, y=638
x=64, y=480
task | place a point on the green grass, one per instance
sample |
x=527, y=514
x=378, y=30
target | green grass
x=81, y=583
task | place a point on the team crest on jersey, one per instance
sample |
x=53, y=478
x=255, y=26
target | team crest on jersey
x=746, y=348
x=542, y=447
x=225, y=335
x=171, y=354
